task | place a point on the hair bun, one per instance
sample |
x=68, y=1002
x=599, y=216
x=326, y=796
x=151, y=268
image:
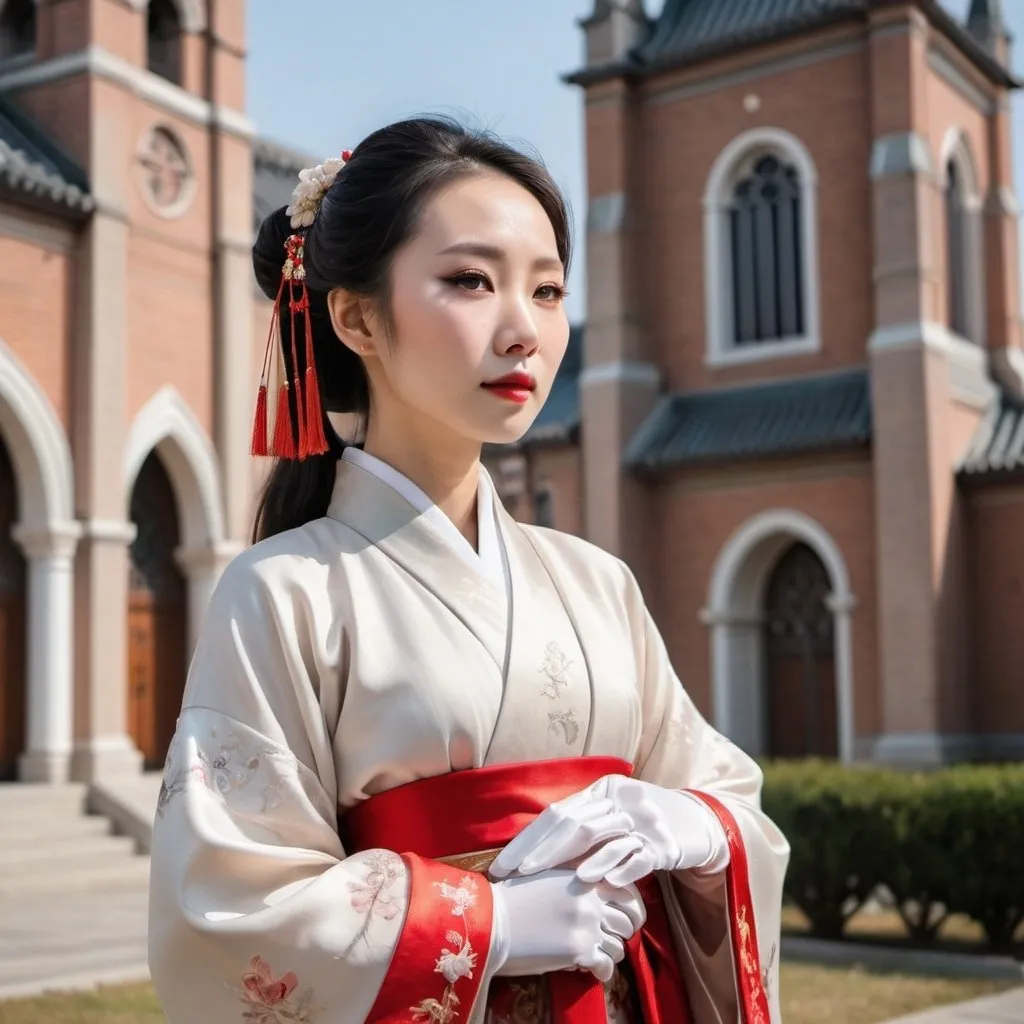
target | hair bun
x=268, y=251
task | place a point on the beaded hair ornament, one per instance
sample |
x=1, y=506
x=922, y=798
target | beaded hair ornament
x=298, y=429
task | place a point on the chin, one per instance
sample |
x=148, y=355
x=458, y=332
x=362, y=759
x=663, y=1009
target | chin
x=509, y=432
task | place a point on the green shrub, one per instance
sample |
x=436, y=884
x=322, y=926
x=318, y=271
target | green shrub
x=985, y=807
x=949, y=841
x=830, y=815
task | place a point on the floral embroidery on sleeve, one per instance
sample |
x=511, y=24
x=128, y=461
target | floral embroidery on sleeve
x=457, y=960
x=234, y=766
x=268, y=1000
x=372, y=896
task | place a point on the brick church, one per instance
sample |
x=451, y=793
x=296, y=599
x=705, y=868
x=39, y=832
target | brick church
x=796, y=407
x=132, y=182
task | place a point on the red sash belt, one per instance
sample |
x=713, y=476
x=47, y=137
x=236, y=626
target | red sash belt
x=468, y=812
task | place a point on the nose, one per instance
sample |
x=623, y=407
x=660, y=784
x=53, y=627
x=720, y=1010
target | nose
x=517, y=334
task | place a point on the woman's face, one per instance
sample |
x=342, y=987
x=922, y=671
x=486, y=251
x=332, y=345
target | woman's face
x=476, y=298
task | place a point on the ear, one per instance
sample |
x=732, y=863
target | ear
x=352, y=320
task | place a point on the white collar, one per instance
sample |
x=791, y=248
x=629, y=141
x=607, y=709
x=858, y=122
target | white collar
x=488, y=560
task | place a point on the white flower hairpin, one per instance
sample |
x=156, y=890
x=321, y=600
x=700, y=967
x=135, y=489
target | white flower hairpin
x=309, y=192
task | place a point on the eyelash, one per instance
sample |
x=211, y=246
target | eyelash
x=471, y=275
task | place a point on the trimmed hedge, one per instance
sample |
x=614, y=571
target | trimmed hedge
x=944, y=842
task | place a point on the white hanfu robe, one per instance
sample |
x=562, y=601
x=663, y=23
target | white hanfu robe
x=374, y=647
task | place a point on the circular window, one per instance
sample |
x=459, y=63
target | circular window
x=166, y=172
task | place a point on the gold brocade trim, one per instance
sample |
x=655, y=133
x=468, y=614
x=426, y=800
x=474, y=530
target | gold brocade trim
x=480, y=862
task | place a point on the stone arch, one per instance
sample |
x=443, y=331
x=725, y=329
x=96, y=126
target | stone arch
x=718, y=197
x=39, y=449
x=192, y=13
x=734, y=614
x=167, y=425
x=956, y=149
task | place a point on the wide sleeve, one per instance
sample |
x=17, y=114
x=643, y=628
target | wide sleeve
x=727, y=924
x=257, y=913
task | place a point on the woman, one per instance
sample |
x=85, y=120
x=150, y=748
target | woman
x=431, y=763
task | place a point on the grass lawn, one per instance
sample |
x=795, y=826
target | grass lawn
x=810, y=995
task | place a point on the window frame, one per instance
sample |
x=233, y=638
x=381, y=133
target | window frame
x=731, y=166
x=956, y=152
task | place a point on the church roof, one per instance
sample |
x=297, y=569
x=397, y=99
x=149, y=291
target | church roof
x=789, y=417
x=34, y=167
x=559, y=420
x=997, y=448
x=275, y=173
x=687, y=31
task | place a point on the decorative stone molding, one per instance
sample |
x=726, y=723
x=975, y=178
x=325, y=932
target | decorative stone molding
x=168, y=425
x=100, y=63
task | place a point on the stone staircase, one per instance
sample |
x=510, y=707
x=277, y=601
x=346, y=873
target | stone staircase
x=73, y=894
x=48, y=843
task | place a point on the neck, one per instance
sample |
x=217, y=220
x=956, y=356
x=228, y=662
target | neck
x=447, y=474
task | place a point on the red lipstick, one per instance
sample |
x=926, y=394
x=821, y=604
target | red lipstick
x=514, y=387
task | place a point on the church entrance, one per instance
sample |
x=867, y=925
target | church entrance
x=157, y=615
x=799, y=646
x=12, y=626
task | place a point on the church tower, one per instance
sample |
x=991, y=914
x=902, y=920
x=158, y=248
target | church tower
x=143, y=101
x=804, y=363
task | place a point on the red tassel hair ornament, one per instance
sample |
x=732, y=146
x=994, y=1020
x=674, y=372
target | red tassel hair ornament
x=298, y=425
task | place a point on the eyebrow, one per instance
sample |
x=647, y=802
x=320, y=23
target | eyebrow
x=491, y=252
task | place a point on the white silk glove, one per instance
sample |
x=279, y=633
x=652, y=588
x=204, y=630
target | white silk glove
x=555, y=922
x=624, y=829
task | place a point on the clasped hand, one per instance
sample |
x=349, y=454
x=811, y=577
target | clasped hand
x=623, y=829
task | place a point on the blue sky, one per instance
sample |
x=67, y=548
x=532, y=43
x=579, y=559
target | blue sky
x=324, y=78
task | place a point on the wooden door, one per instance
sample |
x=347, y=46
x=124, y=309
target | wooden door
x=800, y=658
x=157, y=607
x=12, y=626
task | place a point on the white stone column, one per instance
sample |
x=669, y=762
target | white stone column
x=50, y=651
x=202, y=567
x=841, y=606
x=737, y=688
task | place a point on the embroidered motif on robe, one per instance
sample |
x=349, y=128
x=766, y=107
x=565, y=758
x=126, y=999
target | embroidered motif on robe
x=366, y=650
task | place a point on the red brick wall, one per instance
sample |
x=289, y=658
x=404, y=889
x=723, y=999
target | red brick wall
x=995, y=527
x=682, y=138
x=36, y=314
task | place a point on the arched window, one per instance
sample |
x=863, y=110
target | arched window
x=964, y=277
x=163, y=40
x=766, y=258
x=17, y=28
x=760, y=249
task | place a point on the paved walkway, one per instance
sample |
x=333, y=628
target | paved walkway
x=72, y=940
x=1006, y=1008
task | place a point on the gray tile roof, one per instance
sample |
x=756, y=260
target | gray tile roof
x=275, y=173
x=688, y=29
x=33, y=166
x=789, y=417
x=559, y=420
x=998, y=446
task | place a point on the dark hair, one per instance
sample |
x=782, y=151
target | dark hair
x=370, y=211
